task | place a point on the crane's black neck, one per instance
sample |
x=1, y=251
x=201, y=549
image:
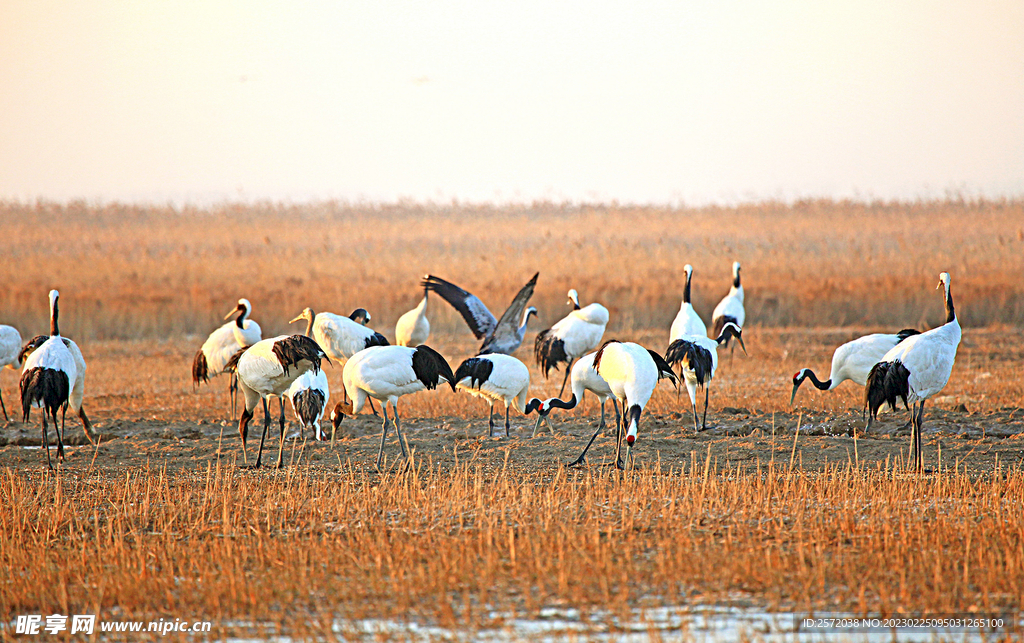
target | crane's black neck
x=686, y=289
x=736, y=280
x=240, y=320
x=54, y=329
x=818, y=384
x=556, y=403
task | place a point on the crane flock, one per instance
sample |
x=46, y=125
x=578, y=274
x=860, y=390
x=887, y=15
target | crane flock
x=908, y=366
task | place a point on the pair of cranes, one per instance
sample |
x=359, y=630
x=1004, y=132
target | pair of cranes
x=909, y=365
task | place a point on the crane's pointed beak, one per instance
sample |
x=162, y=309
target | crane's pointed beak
x=739, y=338
x=536, y=427
x=233, y=312
x=299, y=318
x=793, y=396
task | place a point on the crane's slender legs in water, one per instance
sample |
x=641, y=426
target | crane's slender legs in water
x=566, y=378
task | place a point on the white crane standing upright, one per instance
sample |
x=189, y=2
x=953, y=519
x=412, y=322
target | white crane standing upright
x=413, y=328
x=46, y=380
x=687, y=321
x=571, y=337
x=730, y=309
x=222, y=344
x=503, y=335
x=387, y=373
x=914, y=370
x=77, y=387
x=267, y=368
x=495, y=378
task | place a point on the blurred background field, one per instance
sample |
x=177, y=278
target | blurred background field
x=156, y=272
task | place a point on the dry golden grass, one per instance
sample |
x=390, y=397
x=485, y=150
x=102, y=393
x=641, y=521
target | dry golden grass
x=453, y=541
x=153, y=272
x=451, y=546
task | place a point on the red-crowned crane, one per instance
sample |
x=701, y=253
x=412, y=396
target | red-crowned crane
x=631, y=372
x=267, y=368
x=10, y=355
x=413, y=328
x=310, y=392
x=77, y=387
x=46, y=380
x=495, y=378
x=697, y=357
x=571, y=337
x=853, y=361
x=730, y=309
x=503, y=335
x=386, y=373
x=914, y=370
x=343, y=337
x=584, y=378
x=687, y=321
x=222, y=344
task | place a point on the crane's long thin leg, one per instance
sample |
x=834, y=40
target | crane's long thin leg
x=383, y=435
x=920, y=423
x=615, y=405
x=266, y=427
x=60, y=436
x=696, y=426
x=398, y=428
x=600, y=424
x=233, y=394
x=704, y=422
x=6, y=419
x=506, y=420
x=490, y=419
x=565, y=379
x=46, y=442
x=280, y=449
x=618, y=443
x=374, y=409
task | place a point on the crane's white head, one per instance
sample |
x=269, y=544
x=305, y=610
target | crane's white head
x=574, y=298
x=688, y=269
x=243, y=309
x=54, y=295
x=943, y=280
x=526, y=314
x=735, y=269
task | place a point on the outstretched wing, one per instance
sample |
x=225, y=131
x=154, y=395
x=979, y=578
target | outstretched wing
x=507, y=330
x=480, y=320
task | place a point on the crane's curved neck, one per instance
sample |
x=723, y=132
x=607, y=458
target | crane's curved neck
x=686, y=289
x=526, y=318
x=54, y=313
x=556, y=403
x=309, y=325
x=818, y=384
x=240, y=320
x=736, y=280
x=950, y=311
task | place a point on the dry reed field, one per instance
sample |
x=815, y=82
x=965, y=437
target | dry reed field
x=773, y=508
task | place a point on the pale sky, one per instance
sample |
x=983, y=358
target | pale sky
x=684, y=101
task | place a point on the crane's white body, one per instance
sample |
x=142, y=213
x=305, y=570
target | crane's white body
x=732, y=304
x=260, y=373
x=584, y=378
x=929, y=357
x=690, y=374
x=413, y=328
x=508, y=382
x=631, y=375
x=10, y=347
x=220, y=346
x=581, y=330
x=340, y=337
x=383, y=373
x=854, y=359
x=54, y=355
x=687, y=321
